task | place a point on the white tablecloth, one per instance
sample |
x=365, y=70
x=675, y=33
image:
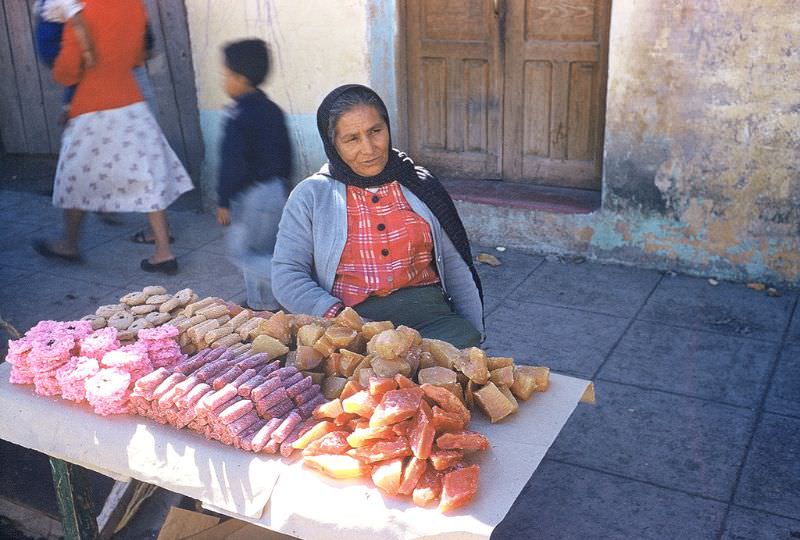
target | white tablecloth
x=285, y=497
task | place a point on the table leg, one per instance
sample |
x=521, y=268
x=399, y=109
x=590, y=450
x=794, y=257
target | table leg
x=74, y=501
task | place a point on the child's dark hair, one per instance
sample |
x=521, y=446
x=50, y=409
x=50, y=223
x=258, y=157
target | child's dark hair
x=248, y=57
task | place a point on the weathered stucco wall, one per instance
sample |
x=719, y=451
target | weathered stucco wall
x=702, y=140
x=702, y=146
x=702, y=156
x=316, y=46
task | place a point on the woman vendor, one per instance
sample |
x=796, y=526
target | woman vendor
x=373, y=231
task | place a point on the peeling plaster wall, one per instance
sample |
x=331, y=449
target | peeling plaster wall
x=702, y=152
x=315, y=46
x=702, y=147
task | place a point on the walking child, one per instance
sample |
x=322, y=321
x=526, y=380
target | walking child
x=255, y=167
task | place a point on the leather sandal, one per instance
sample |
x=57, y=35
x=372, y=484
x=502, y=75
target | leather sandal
x=43, y=248
x=140, y=237
x=169, y=267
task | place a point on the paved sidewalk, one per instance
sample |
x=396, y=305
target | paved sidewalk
x=696, y=433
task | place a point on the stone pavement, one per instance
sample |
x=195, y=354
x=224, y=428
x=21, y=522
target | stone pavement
x=696, y=431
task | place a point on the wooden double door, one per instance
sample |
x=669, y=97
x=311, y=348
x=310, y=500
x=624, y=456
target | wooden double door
x=511, y=89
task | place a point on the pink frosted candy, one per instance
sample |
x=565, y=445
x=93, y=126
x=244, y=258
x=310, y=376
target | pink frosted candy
x=72, y=377
x=107, y=391
x=77, y=329
x=43, y=328
x=49, y=353
x=18, y=350
x=46, y=384
x=99, y=342
x=161, y=346
x=163, y=332
x=20, y=376
x=129, y=358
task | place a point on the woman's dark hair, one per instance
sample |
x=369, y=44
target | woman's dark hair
x=248, y=57
x=350, y=99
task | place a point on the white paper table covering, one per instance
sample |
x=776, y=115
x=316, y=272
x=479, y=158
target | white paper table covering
x=132, y=446
x=301, y=502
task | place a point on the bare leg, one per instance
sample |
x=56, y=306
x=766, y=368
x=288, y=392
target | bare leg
x=68, y=245
x=158, y=223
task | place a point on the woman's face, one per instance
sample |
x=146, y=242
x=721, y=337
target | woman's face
x=361, y=138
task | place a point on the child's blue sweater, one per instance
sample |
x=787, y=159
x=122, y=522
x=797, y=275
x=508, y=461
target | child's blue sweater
x=255, y=146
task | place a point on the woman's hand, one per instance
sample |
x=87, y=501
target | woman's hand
x=223, y=216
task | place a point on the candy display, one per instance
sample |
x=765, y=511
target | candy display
x=387, y=432
x=72, y=360
x=244, y=400
x=354, y=398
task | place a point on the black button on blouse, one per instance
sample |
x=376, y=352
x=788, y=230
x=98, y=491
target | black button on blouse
x=375, y=198
x=384, y=252
x=381, y=226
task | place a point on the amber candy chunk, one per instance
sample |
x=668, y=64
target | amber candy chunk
x=396, y=406
x=493, y=402
x=472, y=363
x=372, y=329
x=444, y=459
x=462, y=440
x=447, y=401
x=459, y=487
x=388, y=475
x=360, y=403
x=277, y=326
x=383, y=450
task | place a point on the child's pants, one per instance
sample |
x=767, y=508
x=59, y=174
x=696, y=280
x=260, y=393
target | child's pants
x=255, y=215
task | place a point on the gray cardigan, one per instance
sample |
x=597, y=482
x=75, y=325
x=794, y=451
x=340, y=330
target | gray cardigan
x=311, y=238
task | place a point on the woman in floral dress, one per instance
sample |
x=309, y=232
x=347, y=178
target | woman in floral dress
x=114, y=157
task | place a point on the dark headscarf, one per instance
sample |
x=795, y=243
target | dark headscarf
x=399, y=167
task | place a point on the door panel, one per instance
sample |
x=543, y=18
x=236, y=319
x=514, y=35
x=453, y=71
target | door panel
x=434, y=94
x=455, y=84
x=518, y=94
x=555, y=67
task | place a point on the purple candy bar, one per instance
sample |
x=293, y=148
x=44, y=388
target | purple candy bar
x=239, y=425
x=286, y=427
x=308, y=394
x=269, y=368
x=306, y=409
x=236, y=411
x=243, y=378
x=262, y=437
x=226, y=377
x=298, y=387
x=280, y=410
x=246, y=387
x=265, y=389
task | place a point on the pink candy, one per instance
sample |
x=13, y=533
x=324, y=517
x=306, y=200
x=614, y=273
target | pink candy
x=107, y=391
x=18, y=351
x=46, y=384
x=77, y=329
x=130, y=358
x=99, y=342
x=72, y=377
x=161, y=346
x=160, y=333
x=70, y=359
